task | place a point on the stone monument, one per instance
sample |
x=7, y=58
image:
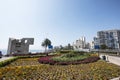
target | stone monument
x=19, y=46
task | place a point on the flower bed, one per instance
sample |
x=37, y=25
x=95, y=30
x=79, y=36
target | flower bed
x=48, y=60
x=99, y=70
x=24, y=62
x=31, y=69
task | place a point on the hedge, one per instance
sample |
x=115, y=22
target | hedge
x=6, y=62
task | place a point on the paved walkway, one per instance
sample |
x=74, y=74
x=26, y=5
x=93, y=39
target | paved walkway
x=111, y=59
x=118, y=78
x=5, y=58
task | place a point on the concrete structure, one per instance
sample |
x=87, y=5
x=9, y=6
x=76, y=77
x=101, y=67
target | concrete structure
x=111, y=59
x=92, y=45
x=19, y=46
x=118, y=78
x=110, y=38
x=114, y=59
x=87, y=46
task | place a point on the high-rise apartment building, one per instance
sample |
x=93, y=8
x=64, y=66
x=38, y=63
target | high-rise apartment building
x=110, y=38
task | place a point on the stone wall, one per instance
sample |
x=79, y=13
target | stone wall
x=114, y=59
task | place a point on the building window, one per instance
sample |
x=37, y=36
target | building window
x=18, y=44
x=26, y=41
x=76, y=47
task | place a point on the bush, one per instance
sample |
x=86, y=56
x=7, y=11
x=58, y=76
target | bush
x=71, y=56
x=94, y=54
x=65, y=51
x=67, y=59
x=80, y=52
x=50, y=60
x=6, y=62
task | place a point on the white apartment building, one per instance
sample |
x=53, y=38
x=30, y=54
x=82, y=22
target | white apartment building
x=91, y=45
x=110, y=38
x=79, y=44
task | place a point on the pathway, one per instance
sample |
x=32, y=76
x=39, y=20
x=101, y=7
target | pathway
x=5, y=58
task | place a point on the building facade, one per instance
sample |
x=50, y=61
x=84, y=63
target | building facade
x=79, y=44
x=110, y=38
x=91, y=45
x=19, y=46
x=96, y=44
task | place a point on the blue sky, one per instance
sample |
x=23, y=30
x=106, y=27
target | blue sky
x=62, y=21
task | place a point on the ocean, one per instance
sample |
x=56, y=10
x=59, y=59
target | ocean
x=4, y=52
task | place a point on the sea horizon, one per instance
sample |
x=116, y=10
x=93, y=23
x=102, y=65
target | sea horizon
x=4, y=51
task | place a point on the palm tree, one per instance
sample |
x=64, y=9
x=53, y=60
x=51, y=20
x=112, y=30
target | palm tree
x=45, y=44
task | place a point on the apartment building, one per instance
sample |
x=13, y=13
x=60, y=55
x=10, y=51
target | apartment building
x=79, y=44
x=110, y=38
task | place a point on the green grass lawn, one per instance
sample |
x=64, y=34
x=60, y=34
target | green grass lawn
x=62, y=58
x=31, y=69
x=72, y=56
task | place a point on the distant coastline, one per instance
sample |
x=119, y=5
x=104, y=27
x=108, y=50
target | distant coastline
x=4, y=51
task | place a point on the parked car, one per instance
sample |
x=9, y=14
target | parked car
x=0, y=54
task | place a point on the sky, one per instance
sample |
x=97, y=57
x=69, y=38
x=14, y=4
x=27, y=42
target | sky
x=62, y=21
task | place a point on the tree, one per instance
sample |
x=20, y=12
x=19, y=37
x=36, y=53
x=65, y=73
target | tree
x=103, y=46
x=61, y=47
x=68, y=47
x=45, y=44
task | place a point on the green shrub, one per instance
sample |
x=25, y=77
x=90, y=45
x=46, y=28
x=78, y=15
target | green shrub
x=65, y=51
x=78, y=52
x=71, y=56
x=75, y=54
x=6, y=62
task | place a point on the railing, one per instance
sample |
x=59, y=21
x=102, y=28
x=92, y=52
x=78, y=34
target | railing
x=106, y=50
x=111, y=52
